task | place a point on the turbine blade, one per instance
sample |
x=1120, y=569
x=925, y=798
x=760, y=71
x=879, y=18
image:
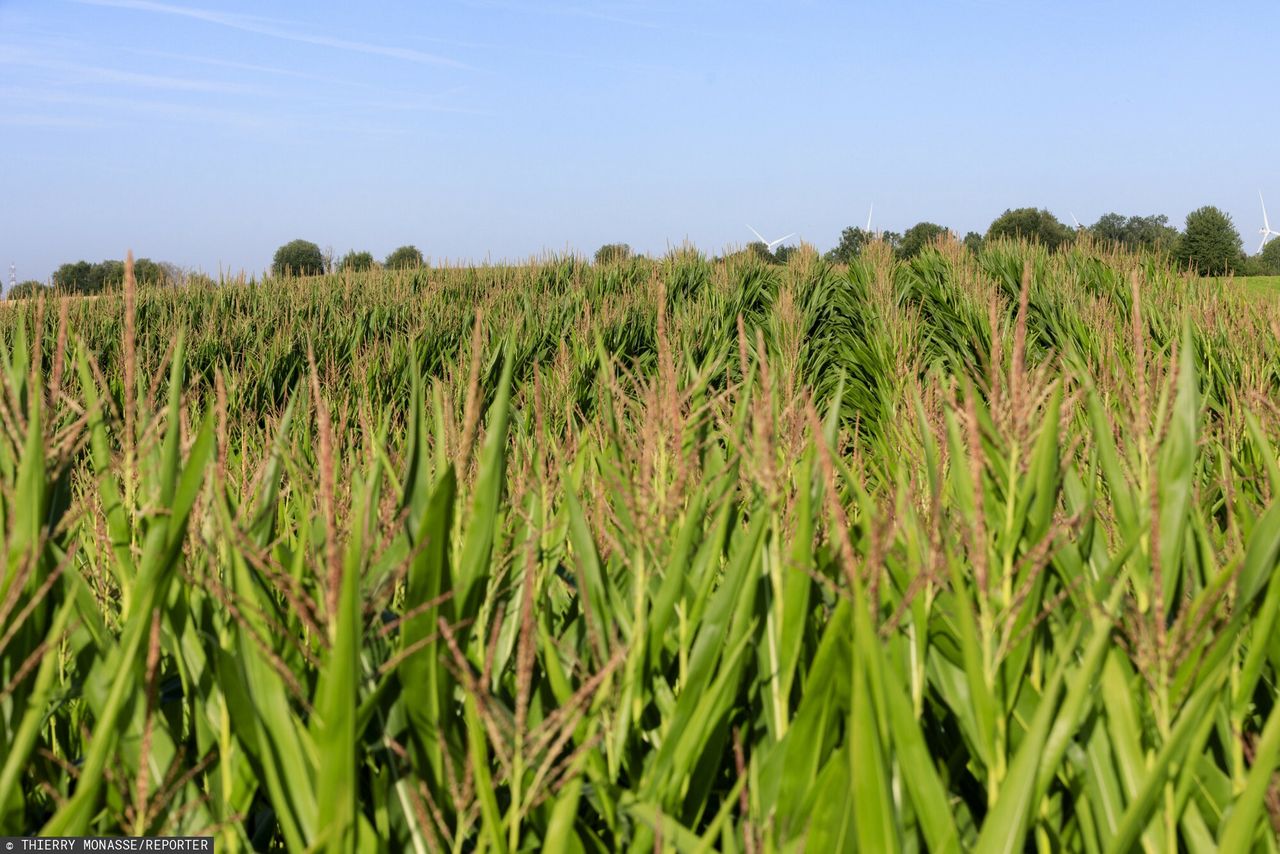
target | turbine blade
x=870, y=210
x=759, y=235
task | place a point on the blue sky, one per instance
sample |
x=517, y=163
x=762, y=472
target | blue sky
x=208, y=133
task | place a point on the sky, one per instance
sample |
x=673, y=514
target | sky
x=208, y=133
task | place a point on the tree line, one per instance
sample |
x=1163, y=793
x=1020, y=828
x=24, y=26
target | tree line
x=1209, y=244
x=304, y=258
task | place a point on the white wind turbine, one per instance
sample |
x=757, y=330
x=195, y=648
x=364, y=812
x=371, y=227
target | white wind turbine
x=1266, y=231
x=769, y=244
x=1077, y=222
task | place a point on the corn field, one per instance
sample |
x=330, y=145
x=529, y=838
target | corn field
x=961, y=553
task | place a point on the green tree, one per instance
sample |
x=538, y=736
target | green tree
x=1210, y=243
x=23, y=290
x=1268, y=260
x=919, y=236
x=973, y=242
x=1152, y=233
x=356, y=262
x=1034, y=224
x=612, y=253
x=298, y=258
x=404, y=258
x=786, y=253
x=74, y=278
x=1110, y=228
x=760, y=252
x=852, y=241
x=106, y=275
x=148, y=272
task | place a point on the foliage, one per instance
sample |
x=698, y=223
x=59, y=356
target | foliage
x=961, y=553
x=918, y=237
x=82, y=277
x=404, y=258
x=1269, y=259
x=784, y=254
x=973, y=242
x=29, y=288
x=299, y=258
x=356, y=262
x=1136, y=232
x=1210, y=243
x=760, y=252
x=852, y=241
x=613, y=253
x=150, y=272
x=1034, y=224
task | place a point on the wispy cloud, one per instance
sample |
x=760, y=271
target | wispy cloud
x=121, y=107
x=77, y=73
x=612, y=13
x=37, y=120
x=262, y=27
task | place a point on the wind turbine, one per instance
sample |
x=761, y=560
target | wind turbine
x=1266, y=231
x=769, y=244
x=1077, y=222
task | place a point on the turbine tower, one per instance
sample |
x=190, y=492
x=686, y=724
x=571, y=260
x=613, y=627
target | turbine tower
x=1266, y=231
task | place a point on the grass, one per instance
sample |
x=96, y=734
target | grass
x=963, y=553
x=1261, y=286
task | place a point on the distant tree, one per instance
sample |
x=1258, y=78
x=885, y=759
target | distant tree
x=612, y=253
x=785, y=253
x=148, y=272
x=852, y=241
x=1210, y=243
x=404, y=258
x=1151, y=233
x=973, y=242
x=760, y=252
x=1034, y=224
x=81, y=277
x=298, y=258
x=106, y=275
x=1268, y=260
x=1110, y=228
x=173, y=274
x=356, y=262
x=74, y=278
x=917, y=237
x=24, y=290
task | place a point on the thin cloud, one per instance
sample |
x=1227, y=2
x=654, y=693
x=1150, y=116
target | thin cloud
x=609, y=13
x=80, y=73
x=117, y=106
x=259, y=27
x=36, y=120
